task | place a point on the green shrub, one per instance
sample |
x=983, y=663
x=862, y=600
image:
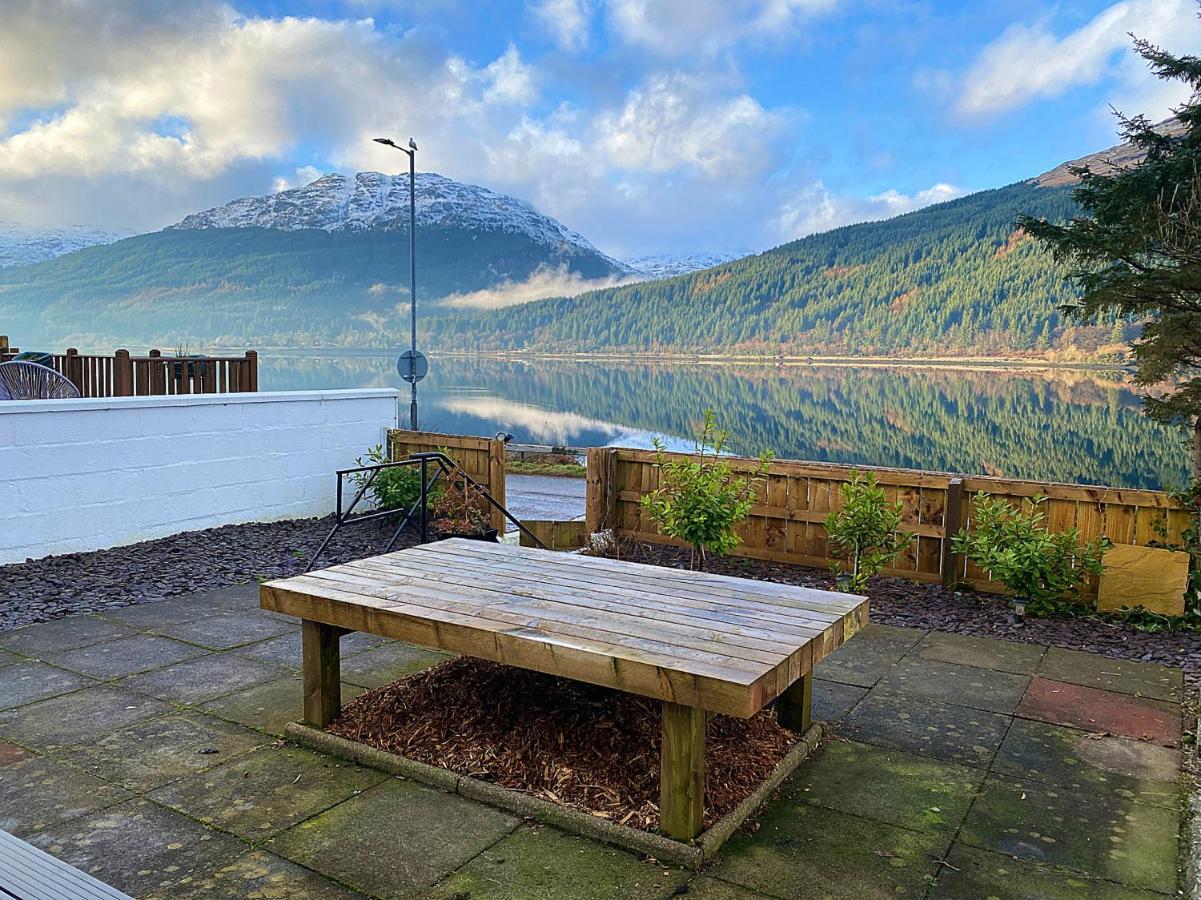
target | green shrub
x=865, y=530
x=701, y=499
x=396, y=488
x=1044, y=569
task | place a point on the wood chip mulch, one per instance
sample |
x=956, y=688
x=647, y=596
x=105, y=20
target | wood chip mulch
x=575, y=744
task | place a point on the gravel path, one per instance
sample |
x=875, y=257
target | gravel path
x=193, y=561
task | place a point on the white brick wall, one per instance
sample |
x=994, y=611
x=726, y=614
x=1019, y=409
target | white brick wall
x=87, y=474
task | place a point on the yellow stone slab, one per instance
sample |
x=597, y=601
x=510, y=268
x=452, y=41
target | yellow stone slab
x=1143, y=576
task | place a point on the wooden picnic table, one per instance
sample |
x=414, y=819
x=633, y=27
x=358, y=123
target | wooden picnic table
x=701, y=643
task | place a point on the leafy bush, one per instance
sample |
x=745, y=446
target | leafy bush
x=396, y=488
x=866, y=528
x=1044, y=569
x=701, y=499
x=462, y=508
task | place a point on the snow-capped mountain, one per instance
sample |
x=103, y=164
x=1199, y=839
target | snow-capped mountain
x=371, y=200
x=666, y=265
x=21, y=245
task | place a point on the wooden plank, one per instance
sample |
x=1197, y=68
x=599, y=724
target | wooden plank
x=952, y=563
x=530, y=648
x=650, y=633
x=322, y=672
x=682, y=772
x=700, y=623
x=676, y=579
x=794, y=706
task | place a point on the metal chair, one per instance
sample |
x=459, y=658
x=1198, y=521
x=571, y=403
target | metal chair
x=21, y=380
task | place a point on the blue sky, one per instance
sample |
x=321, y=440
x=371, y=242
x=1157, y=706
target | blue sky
x=650, y=127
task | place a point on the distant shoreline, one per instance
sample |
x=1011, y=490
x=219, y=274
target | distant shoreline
x=964, y=363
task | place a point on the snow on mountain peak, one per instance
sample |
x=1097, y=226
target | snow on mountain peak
x=23, y=245
x=371, y=200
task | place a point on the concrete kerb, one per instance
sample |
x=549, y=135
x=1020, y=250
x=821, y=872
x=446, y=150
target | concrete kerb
x=689, y=855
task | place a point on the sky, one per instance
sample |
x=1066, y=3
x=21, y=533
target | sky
x=674, y=126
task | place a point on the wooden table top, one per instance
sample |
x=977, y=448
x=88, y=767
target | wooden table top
x=728, y=645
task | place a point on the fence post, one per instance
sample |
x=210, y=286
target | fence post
x=952, y=521
x=73, y=369
x=252, y=366
x=496, y=481
x=600, y=504
x=122, y=374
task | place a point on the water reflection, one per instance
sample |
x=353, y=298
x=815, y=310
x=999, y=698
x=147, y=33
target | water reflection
x=1066, y=426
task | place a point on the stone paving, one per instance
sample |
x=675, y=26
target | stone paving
x=141, y=745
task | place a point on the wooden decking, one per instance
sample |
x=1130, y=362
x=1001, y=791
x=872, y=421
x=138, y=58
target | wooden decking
x=27, y=873
x=699, y=642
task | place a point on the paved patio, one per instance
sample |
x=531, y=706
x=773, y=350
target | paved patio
x=141, y=745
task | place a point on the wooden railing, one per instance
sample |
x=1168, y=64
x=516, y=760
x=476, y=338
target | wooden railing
x=787, y=522
x=153, y=375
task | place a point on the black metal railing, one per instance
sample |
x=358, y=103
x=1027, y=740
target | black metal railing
x=418, y=513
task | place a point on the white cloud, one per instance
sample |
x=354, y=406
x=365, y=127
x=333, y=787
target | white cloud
x=509, y=80
x=814, y=208
x=1028, y=62
x=676, y=120
x=567, y=21
x=544, y=282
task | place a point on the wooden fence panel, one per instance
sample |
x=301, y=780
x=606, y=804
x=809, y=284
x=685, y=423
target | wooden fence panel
x=787, y=521
x=481, y=458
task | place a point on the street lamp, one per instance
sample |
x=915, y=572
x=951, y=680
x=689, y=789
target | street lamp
x=417, y=365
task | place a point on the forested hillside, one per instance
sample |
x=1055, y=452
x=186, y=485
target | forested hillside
x=956, y=277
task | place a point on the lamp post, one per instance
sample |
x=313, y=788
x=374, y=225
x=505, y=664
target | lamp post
x=414, y=359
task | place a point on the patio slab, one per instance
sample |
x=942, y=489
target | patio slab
x=1120, y=840
x=546, y=864
x=1102, y=711
x=156, y=752
x=979, y=873
x=935, y=753
x=887, y=786
x=942, y=731
x=38, y=793
x=863, y=660
x=62, y=634
x=269, y=706
x=806, y=851
x=1079, y=760
x=124, y=656
x=356, y=842
x=138, y=847
x=29, y=681
x=987, y=653
x=259, y=875
x=1141, y=679
x=979, y=688
x=267, y=790
x=201, y=679
x=79, y=717
x=227, y=630
x=833, y=701
x=284, y=650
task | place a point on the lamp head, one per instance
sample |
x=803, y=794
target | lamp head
x=385, y=141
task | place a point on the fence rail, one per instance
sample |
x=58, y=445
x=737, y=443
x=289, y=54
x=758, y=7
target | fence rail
x=787, y=522
x=153, y=375
x=481, y=458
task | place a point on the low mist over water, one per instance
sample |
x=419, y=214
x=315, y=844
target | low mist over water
x=1056, y=426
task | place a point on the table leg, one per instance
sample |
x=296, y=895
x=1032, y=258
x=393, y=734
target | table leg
x=682, y=772
x=322, y=672
x=794, y=707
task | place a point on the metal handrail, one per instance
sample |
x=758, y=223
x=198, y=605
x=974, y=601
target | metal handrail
x=445, y=466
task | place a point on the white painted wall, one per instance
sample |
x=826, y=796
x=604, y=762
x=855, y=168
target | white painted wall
x=86, y=474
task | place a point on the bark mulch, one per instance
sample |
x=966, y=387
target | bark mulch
x=575, y=744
